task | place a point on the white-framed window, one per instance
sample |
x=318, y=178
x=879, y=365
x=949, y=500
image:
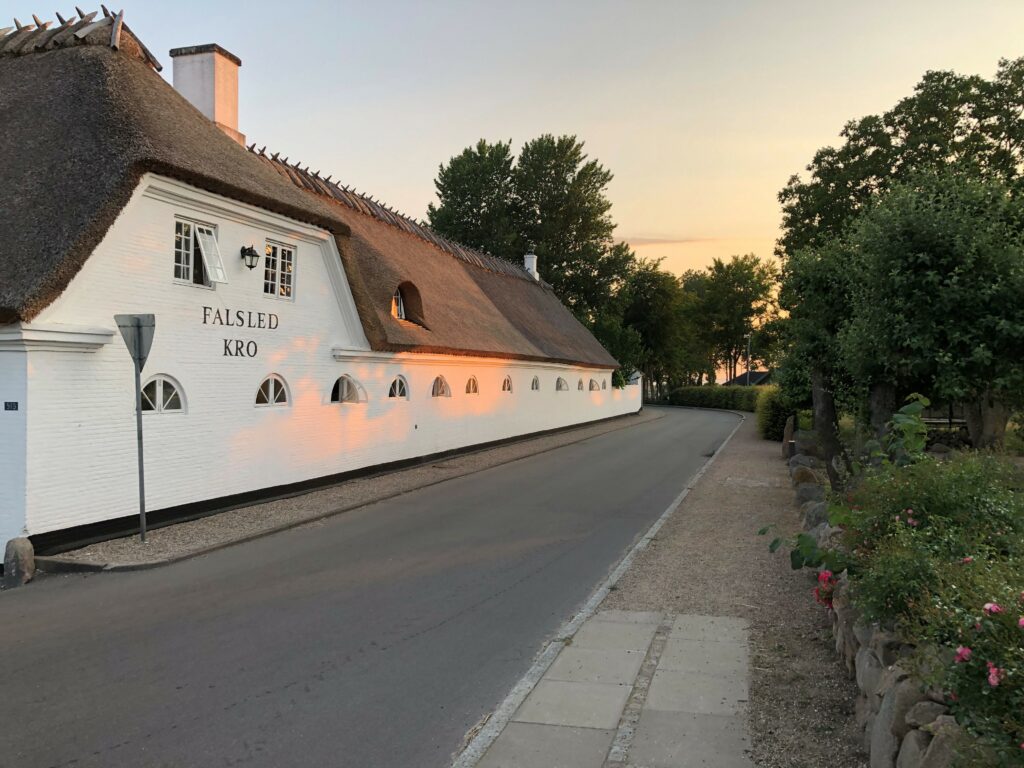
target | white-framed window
x=398, y=305
x=594, y=386
x=472, y=386
x=506, y=384
x=279, y=270
x=197, y=257
x=345, y=390
x=162, y=394
x=440, y=388
x=272, y=392
x=561, y=385
x=399, y=389
x=535, y=384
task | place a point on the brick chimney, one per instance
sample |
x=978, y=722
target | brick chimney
x=207, y=75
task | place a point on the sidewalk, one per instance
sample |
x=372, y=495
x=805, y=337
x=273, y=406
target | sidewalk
x=706, y=652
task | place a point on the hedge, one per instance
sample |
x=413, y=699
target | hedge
x=772, y=413
x=714, y=396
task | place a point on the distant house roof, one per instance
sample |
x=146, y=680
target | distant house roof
x=756, y=378
x=83, y=115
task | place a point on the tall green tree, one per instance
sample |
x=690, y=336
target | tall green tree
x=552, y=200
x=476, y=200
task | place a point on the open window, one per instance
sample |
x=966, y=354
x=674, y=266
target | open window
x=197, y=258
x=345, y=390
x=272, y=392
x=440, y=388
x=407, y=305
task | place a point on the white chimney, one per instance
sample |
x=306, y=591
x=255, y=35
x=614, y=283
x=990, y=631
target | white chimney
x=207, y=76
x=530, y=265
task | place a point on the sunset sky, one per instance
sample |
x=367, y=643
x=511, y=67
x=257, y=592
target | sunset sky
x=701, y=110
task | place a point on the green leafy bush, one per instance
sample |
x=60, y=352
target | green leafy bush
x=715, y=396
x=937, y=551
x=771, y=413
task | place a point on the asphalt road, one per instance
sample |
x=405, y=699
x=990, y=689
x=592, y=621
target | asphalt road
x=373, y=639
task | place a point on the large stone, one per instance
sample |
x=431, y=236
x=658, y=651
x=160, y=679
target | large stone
x=827, y=537
x=807, y=442
x=809, y=492
x=815, y=513
x=19, y=562
x=862, y=711
x=869, y=672
x=803, y=460
x=869, y=727
x=884, y=743
x=800, y=474
x=864, y=633
x=913, y=749
x=924, y=713
x=886, y=646
x=906, y=694
x=942, y=749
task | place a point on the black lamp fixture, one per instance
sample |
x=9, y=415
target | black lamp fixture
x=250, y=256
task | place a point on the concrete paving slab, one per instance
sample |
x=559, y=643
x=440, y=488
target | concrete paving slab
x=586, y=665
x=614, y=635
x=726, y=629
x=687, y=740
x=629, y=617
x=708, y=657
x=697, y=693
x=584, y=705
x=530, y=745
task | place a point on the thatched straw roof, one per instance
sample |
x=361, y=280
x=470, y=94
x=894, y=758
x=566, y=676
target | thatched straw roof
x=83, y=116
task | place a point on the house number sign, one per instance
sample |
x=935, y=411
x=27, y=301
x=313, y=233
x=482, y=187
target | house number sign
x=240, y=318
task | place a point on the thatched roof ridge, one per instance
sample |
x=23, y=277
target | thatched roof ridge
x=314, y=182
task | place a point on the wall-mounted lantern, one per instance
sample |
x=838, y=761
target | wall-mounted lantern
x=250, y=256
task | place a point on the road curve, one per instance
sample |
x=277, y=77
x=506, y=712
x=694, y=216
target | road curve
x=374, y=639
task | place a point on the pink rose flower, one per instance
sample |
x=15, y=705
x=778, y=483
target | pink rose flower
x=1020, y=622
x=995, y=674
x=963, y=653
x=992, y=608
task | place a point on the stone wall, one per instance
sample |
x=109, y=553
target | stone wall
x=905, y=724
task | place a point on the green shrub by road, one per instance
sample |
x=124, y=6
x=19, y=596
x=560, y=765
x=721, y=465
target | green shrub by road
x=714, y=396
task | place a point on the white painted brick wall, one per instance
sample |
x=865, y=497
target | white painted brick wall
x=81, y=462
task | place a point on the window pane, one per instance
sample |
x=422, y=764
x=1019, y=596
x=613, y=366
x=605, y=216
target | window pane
x=182, y=250
x=270, y=270
x=149, y=398
x=172, y=400
x=211, y=255
x=263, y=395
x=336, y=392
x=280, y=395
x=287, y=263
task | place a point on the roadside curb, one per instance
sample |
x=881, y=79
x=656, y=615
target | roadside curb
x=54, y=564
x=493, y=725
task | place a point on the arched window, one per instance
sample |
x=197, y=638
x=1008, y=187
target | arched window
x=535, y=384
x=162, y=394
x=345, y=390
x=604, y=383
x=594, y=386
x=472, y=387
x=506, y=385
x=273, y=391
x=561, y=385
x=440, y=388
x=399, y=389
x=579, y=386
x=398, y=305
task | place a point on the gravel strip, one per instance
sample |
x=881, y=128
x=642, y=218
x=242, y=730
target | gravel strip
x=182, y=539
x=707, y=559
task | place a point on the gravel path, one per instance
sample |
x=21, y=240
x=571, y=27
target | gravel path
x=184, y=539
x=707, y=559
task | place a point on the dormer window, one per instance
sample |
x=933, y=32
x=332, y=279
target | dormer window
x=406, y=304
x=196, y=254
